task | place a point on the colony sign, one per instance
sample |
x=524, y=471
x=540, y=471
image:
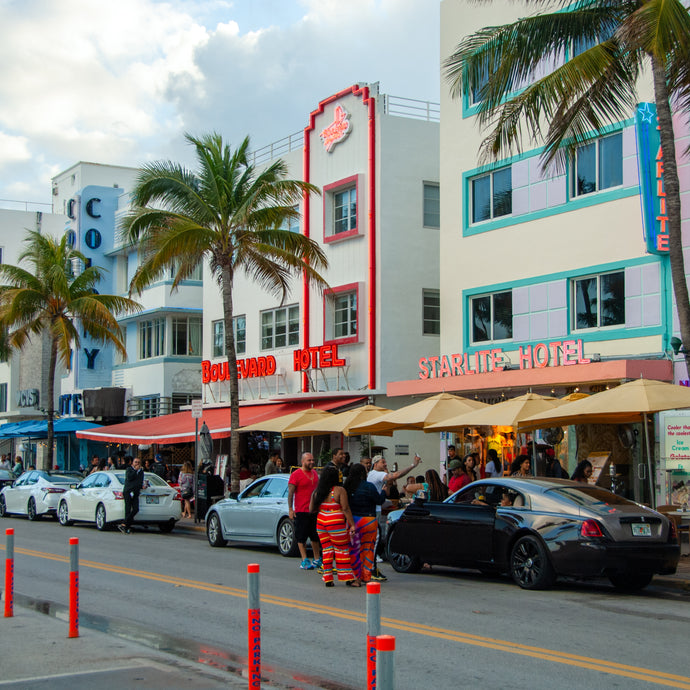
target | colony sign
x=338, y=130
x=556, y=353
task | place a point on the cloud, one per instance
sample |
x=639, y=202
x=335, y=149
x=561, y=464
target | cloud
x=119, y=82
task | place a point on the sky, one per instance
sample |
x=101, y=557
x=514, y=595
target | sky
x=119, y=82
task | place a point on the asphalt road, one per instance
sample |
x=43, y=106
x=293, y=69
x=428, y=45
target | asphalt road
x=452, y=629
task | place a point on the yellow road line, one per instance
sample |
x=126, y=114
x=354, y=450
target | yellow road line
x=611, y=667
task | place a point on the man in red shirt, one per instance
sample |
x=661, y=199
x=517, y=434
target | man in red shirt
x=301, y=485
x=458, y=478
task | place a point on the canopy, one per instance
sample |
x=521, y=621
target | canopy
x=342, y=422
x=38, y=428
x=286, y=423
x=626, y=403
x=506, y=413
x=180, y=426
x=419, y=414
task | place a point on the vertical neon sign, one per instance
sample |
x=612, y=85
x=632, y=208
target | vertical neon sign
x=651, y=167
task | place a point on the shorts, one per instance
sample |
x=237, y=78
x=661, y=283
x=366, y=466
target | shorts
x=305, y=527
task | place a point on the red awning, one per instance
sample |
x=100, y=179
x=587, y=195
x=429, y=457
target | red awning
x=180, y=427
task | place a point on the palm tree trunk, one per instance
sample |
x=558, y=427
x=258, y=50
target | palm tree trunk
x=231, y=356
x=49, y=462
x=672, y=189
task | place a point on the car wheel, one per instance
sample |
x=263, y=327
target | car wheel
x=101, y=520
x=631, y=582
x=401, y=562
x=530, y=566
x=287, y=543
x=167, y=527
x=3, y=507
x=63, y=514
x=214, y=533
x=31, y=510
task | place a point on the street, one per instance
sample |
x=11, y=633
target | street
x=452, y=628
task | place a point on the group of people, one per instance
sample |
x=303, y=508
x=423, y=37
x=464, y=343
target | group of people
x=16, y=468
x=340, y=515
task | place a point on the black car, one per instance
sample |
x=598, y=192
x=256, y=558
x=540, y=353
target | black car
x=536, y=530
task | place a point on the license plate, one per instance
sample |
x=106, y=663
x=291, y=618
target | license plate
x=154, y=499
x=641, y=529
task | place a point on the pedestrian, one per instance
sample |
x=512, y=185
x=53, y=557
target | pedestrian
x=271, y=466
x=582, y=472
x=338, y=461
x=134, y=483
x=186, y=482
x=432, y=486
x=301, y=486
x=18, y=466
x=521, y=466
x=363, y=498
x=494, y=467
x=335, y=527
x=158, y=467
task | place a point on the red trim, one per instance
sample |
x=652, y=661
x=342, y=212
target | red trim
x=180, y=427
x=370, y=102
x=305, y=282
x=349, y=287
x=332, y=189
x=575, y=375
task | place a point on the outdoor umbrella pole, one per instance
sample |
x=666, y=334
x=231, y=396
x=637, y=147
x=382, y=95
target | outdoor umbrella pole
x=652, y=493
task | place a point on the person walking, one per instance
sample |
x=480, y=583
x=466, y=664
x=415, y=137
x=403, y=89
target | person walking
x=186, y=483
x=301, y=486
x=134, y=483
x=335, y=527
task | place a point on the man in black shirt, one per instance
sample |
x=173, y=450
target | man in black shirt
x=134, y=483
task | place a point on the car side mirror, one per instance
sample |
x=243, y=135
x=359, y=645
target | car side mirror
x=234, y=494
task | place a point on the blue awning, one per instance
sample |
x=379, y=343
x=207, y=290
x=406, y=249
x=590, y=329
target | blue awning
x=38, y=428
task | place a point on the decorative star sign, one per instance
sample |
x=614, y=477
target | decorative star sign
x=646, y=113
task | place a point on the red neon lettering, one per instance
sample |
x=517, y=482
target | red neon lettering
x=554, y=351
x=445, y=367
x=337, y=130
x=205, y=371
x=496, y=359
x=662, y=206
x=659, y=153
x=659, y=168
x=662, y=224
x=214, y=372
x=296, y=365
x=432, y=363
x=580, y=355
x=325, y=356
x=482, y=360
x=270, y=365
x=423, y=368
x=262, y=366
x=467, y=365
x=337, y=362
x=525, y=357
x=540, y=355
x=304, y=359
x=456, y=362
x=252, y=366
x=662, y=242
x=569, y=351
x=660, y=188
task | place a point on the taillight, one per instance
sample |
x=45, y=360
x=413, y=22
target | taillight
x=590, y=528
x=177, y=496
x=118, y=496
x=672, y=531
x=52, y=490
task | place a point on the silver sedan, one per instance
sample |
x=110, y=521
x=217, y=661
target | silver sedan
x=34, y=494
x=259, y=514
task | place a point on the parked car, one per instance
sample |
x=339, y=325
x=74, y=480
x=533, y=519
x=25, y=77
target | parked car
x=34, y=494
x=99, y=498
x=258, y=514
x=7, y=477
x=536, y=530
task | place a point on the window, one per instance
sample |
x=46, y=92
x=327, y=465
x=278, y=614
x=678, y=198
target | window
x=492, y=195
x=240, y=326
x=432, y=205
x=345, y=211
x=280, y=327
x=292, y=224
x=431, y=312
x=599, y=301
x=345, y=315
x=146, y=407
x=151, y=338
x=3, y=397
x=186, y=335
x=492, y=317
x=196, y=274
x=598, y=165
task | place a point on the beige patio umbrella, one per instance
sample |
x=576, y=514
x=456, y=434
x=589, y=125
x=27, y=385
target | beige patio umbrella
x=629, y=402
x=418, y=415
x=285, y=423
x=506, y=413
x=340, y=423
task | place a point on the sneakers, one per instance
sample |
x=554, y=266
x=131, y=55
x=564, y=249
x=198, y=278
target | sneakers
x=123, y=529
x=378, y=576
x=306, y=564
x=317, y=563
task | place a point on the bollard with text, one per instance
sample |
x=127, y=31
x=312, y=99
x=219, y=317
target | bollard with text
x=9, y=573
x=385, y=662
x=373, y=630
x=253, y=625
x=73, y=587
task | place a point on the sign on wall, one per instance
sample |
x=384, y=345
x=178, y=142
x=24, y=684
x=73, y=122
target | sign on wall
x=338, y=130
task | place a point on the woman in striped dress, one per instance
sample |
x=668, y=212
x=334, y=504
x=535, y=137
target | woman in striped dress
x=335, y=526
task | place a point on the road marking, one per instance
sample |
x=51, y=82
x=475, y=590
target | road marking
x=589, y=663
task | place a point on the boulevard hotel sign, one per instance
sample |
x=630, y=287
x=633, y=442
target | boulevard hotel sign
x=539, y=356
x=321, y=357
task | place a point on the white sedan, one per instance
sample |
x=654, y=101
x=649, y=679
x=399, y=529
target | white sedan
x=99, y=498
x=35, y=493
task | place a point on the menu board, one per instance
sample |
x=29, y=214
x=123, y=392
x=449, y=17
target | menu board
x=599, y=461
x=676, y=432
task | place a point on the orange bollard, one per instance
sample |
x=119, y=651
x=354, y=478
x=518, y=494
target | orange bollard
x=253, y=626
x=73, y=587
x=373, y=630
x=9, y=573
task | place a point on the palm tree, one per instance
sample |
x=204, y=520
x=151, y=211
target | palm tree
x=53, y=300
x=229, y=214
x=595, y=87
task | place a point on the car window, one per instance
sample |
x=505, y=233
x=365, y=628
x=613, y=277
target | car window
x=275, y=488
x=154, y=479
x=89, y=482
x=21, y=481
x=32, y=478
x=468, y=494
x=254, y=490
x=102, y=480
x=61, y=479
x=592, y=497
